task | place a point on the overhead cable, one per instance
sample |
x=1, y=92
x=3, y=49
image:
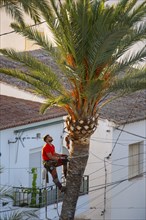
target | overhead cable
x=33, y=25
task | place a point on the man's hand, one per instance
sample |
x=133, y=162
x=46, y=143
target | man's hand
x=64, y=157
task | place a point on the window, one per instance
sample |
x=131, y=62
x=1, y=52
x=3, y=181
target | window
x=35, y=161
x=135, y=160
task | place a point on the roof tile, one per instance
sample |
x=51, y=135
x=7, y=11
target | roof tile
x=126, y=109
x=15, y=112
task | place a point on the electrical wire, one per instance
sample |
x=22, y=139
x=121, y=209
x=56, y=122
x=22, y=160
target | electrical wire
x=121, y=130
x=102, y=160
x=98, y=177
x=109, y=140
x=111, y=163
x=105, y=187
x=121, y=158
x=33, y=25
x=136, y=135
x=121, y=165
x=103, y=212
x=10, y=32
x=57, y=205
x=95, y=198
x=101, y=186
x=119, y=143
x=102, y=202
x=117, y=183
x=85, y=203
x=97, y=187
x=101, y=168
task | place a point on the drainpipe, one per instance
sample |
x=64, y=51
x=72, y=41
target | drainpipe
x=45, y=177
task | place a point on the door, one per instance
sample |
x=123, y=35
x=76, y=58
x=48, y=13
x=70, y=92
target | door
x=35, y=162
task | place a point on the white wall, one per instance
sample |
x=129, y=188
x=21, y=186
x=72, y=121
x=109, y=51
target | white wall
x=12, y=40
x=16, y=41
x=100, y=147
x=128, y=198
x=15, y=156
x=9, y=90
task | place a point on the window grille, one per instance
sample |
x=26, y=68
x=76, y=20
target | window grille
x=136, y=160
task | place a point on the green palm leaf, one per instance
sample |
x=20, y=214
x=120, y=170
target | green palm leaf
x=90, y=40
x=132, y=81
x=19, y=215
x=16, y=8
x=92, y=43
x=37, y=70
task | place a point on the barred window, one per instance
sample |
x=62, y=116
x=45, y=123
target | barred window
x=136, y=160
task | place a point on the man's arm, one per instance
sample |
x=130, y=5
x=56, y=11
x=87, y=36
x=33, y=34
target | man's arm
x=53, y=157
x=56, y=154
x=61, y=156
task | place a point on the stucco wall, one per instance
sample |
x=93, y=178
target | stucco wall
x=8, y=90
x=15, y=156
x=100, y=147
x=129, y=197
x=16, y=41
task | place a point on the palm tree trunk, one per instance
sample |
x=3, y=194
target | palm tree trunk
x=77, y=165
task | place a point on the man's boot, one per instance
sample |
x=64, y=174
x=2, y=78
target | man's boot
x=59, y=185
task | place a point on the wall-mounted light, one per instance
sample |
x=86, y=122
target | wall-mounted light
x=38, y=135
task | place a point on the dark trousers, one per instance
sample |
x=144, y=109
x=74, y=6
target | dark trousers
x=51, y=165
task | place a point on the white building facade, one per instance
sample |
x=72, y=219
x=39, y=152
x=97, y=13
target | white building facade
x=129, y=164
x=116, y=183
x=21, y=150
x=100, y=147
x=9, y=39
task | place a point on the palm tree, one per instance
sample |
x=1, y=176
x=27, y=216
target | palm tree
x=16, y=9
x=6, y=195
x=91, y=42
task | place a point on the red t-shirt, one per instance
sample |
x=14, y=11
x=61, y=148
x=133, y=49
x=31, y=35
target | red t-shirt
x=47, y=148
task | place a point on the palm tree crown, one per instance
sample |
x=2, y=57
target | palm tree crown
x=90, y=40
x=91, y=43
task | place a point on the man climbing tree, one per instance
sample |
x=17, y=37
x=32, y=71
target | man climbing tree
x=51, y=160
x=92, y=43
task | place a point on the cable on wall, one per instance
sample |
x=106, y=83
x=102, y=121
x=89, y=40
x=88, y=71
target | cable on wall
x=121, y=130
x=136, y=135
x=33, y=25
x=104, y=209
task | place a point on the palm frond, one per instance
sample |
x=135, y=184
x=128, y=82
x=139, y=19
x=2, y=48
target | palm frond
x=34, y=81
x=131, y=82
x=19, y=215
x=16, y=9
x=137, y=13
x=130, y=59
x=64, y=26
x=90, y=38
x=56, y=101
x=12, y=8
x=29, y=8
x=6, y=192
x=137, y=35
x=37, y=69
x=33, y=34
x=93, y=88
